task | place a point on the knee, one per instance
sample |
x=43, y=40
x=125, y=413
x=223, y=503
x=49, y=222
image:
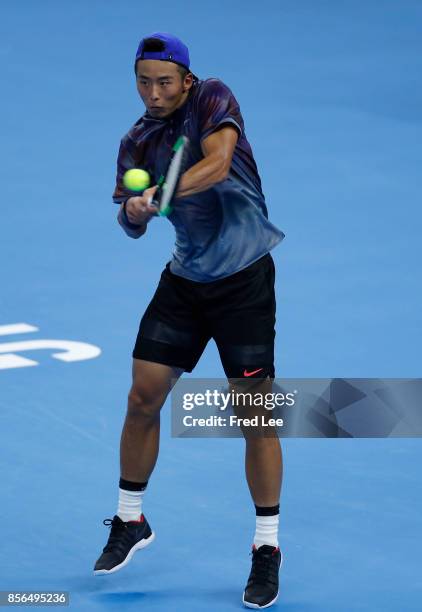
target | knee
x=142, y=406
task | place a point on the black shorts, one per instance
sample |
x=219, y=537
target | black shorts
x=238, y=312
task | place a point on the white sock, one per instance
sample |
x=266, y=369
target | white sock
x=130, y=505
x=266, y=531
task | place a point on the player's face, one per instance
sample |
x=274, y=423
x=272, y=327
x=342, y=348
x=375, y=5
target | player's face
x=161, y=87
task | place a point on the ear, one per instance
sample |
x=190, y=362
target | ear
x=187, y=84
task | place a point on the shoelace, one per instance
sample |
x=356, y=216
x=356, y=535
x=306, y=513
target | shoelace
x=264, y=568
x=118, y=537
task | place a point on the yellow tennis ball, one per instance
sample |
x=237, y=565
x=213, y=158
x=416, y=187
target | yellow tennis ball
x=136, y=179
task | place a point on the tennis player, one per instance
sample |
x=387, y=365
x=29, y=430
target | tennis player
x=219, y=284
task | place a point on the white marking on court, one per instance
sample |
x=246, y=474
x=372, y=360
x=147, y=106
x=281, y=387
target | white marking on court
x=74, y=351
x=15, y=361
x=17, y=328
x=71, y=350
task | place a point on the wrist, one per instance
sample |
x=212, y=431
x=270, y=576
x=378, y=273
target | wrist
x=126, y=219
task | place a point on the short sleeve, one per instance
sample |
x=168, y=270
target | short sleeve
x=217, y=106
x=126, y=159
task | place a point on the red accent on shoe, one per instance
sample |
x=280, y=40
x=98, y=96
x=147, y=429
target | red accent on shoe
x=276, y=549
x=140, y=520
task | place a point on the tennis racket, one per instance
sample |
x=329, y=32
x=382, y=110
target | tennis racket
x=167, y=184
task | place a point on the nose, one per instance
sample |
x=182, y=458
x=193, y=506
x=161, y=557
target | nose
x=154, y=95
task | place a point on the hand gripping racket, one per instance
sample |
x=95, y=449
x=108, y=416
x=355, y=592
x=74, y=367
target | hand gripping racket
x=167, y=184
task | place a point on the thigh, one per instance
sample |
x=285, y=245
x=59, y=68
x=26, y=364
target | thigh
x=245, y=328
x=171, y=331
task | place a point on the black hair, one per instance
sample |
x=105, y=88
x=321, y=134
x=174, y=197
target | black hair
x=156, y=44
x=153, y=44
x=182, y=71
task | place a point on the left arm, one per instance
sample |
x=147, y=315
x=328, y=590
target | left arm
x=218, y=149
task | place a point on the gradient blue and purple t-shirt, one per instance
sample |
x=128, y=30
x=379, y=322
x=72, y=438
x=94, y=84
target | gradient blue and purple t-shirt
x=225, y=228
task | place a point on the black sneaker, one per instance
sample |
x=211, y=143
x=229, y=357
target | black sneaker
x=124, y=540
x=262, y=587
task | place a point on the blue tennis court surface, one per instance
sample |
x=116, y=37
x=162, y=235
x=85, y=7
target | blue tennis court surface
x=331, y=97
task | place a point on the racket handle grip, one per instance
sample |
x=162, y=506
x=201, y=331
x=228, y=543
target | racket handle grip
x=155, y=199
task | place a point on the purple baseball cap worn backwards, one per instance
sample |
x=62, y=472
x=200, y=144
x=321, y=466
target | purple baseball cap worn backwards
x=174, y=50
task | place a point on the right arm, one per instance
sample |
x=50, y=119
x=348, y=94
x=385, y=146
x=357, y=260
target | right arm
x=135, y=211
